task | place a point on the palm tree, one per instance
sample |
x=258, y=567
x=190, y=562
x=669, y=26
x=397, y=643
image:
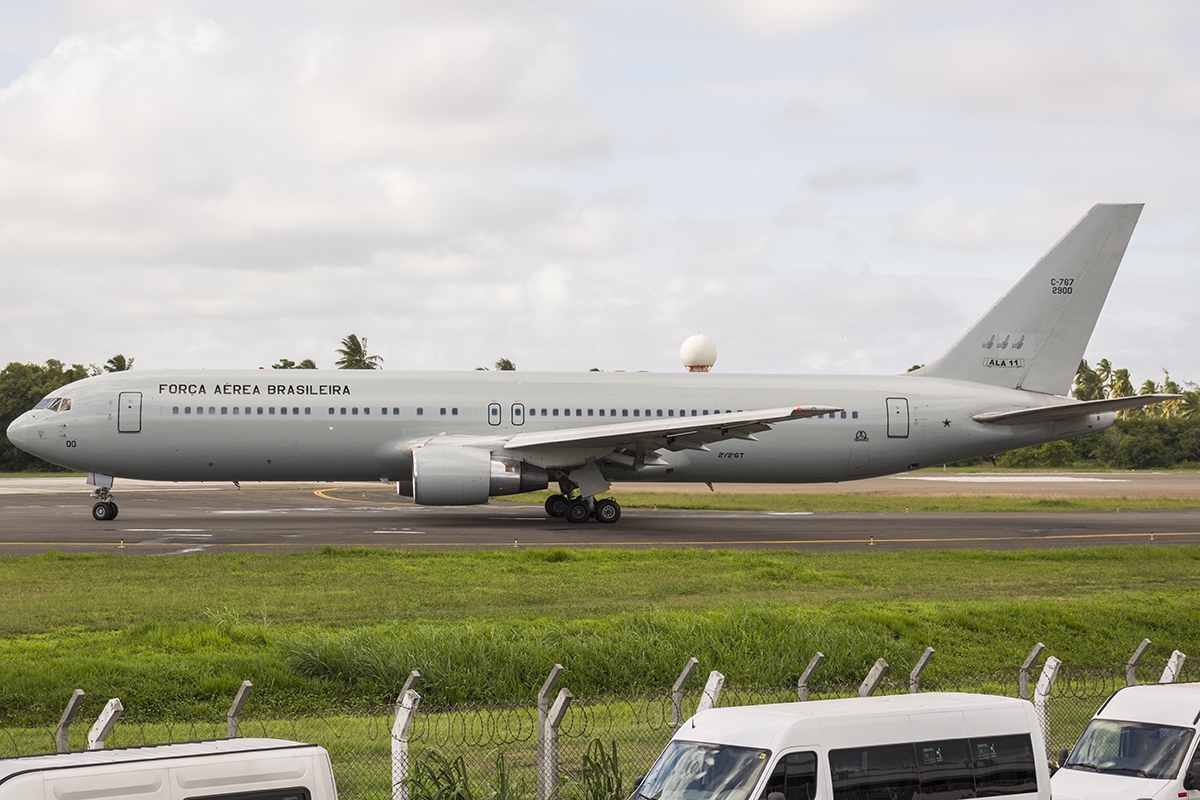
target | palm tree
x=354, y=354
x=1087, y=383
x=118, y=363
x=505, y=365
x=1104, y=371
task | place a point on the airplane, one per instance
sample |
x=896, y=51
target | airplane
x=447, y=438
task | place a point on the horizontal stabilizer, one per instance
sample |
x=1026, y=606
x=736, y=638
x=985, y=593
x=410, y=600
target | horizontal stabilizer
x=1069, y=410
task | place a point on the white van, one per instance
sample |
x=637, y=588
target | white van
x=229, y=769
x=894, y=747
x=1140, y=744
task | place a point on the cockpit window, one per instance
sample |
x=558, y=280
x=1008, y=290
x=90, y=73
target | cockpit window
x=55, y=404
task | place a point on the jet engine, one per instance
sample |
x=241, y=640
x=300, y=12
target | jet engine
x=461, y=475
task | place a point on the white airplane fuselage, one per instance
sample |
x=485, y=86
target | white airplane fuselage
x=326, y=425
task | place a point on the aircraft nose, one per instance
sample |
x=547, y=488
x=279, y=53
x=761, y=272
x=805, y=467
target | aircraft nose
x=18, y=432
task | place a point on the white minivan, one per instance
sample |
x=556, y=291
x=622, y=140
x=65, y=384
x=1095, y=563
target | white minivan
x=228, y=769
x=1140, y=744
x=893, y=747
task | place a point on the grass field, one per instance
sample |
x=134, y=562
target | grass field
x=321, y=631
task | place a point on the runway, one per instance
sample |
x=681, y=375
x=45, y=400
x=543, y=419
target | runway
x=40, y=515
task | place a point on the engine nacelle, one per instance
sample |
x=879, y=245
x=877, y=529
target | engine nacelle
x=457, y=475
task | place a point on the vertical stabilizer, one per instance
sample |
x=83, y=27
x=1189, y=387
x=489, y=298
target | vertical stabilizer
x=1035, y=335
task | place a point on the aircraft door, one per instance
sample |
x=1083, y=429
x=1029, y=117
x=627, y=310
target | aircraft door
x=129, y=412
x=897, y=417
x=494, y=414
x=518, y=414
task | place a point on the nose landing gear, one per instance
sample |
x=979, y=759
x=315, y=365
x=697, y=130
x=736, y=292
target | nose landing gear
x=105, y=510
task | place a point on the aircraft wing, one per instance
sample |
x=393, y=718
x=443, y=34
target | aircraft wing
x=1068, y=410
x=670, y=433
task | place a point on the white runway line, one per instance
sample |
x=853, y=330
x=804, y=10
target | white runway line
x=1008, y=479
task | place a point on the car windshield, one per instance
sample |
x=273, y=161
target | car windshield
x=701, y=771
x=1138, y=749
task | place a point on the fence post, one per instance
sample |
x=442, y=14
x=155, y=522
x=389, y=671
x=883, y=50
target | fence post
x=1131, y=664
x=64, y=722
x=802, y=684
x=677, y=693
x=235, y=710
x=542, y=718
x=410, y=683
x=1023, y=693
x=406, y=709
x=1173, y=668
x=104, y=724
x=548, y=764
x=1041, y=697
x=873, y=679
x=712, y=692
x=914, y=677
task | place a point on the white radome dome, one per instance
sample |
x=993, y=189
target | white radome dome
x=698, y=353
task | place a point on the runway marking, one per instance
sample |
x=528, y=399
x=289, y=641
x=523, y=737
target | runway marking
x=659, y=543
x=322, y=494
x=1008, y=479
x=164, y=530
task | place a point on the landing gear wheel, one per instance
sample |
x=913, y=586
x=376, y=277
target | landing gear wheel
x=556, y=505
x=103, y=512
x=112, y=507
x=608, y=510
x=577, y=511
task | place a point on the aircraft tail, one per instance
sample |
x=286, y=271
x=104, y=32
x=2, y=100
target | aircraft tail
x=1035, y=335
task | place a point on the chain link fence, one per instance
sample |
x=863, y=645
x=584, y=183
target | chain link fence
x=360, y=741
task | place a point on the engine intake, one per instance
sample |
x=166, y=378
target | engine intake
x=460, y=475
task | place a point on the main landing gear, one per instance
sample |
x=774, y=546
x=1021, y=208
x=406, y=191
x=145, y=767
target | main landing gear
x=581, y=509
x=104, y=510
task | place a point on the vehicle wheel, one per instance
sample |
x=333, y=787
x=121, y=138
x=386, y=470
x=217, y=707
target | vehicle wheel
x=577, y=511
x=101, y=512
x=112, y=509
x=556, y=505
x=608, y=510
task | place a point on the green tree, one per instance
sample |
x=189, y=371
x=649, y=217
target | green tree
x=505, y=365
x=21, y=387
x=287, y=363
x=354, y=354
x=1088, y=385
x=118, y=364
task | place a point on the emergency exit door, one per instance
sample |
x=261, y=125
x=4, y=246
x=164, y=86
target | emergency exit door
x=897, y=411
x=129, y=412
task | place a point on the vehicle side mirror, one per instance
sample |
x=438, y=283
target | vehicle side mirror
x=637, y=782
x=1063, y=755
x=1190, y=781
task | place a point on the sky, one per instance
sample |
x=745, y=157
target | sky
x=820, y=186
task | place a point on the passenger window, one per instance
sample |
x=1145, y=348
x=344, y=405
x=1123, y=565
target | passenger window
x=442, y=412
x=636, y=412
x=235, y=410
x=648, y=412
x=330, y=410
x=612, y=413
x=260, y=410
x=343, y=411
x=1004, y=765
x=843, y=415
x=366, y=411
x=199, y=409
x=248, y=411
x=383, y=411
x=624, y=412
x=396, y=411
x=283, y=410
x=795, y=775
x=307, y=411
x=670, y=412
x=945, y=769
x=854, y=415
x=543, y=412
x=454, y=412
x=556, y=412
x=271, y=410
x=354, y=411
x=224, y=410
x=420, y=412
x=578, y=412
x=882, y=771
x=175, y=410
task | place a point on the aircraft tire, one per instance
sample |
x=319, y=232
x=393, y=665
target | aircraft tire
x=112, y=507
x=577, y=511
x=556, y=505
x=608, y=511
x=102, y=512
